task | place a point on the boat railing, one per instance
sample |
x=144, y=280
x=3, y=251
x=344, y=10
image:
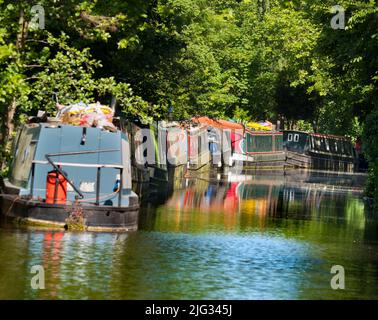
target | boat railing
x=56, y=165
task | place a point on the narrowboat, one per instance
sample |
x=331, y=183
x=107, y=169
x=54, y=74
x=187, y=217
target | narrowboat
x=319, y=152
x=235, y=147
x=260, y=150
x=139, y=163
x=188, y=151
x=198, y=144
x=70, y=176
x=158, y=169
x=148, y=152
x=223, y=135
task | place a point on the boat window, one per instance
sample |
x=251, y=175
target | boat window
x=350, y=147
x=318, y=143
x=342, y=149
x=326, y=144
x=250, y=144
x=297, y=142
x=331, y=143
x=264, y=143
x=341, y=146
x=279, y=142
x=347, y=148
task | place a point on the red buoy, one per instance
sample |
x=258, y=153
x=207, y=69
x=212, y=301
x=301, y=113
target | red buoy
x=56, y=180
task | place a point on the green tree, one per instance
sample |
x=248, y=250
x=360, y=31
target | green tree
x=37, y=62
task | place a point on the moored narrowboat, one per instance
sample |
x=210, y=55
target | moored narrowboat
x=319, y=152
x=237, y=147
x=260, y=150
x=71, y=176
x=198, y=145
x=187, y=149
x=148, y=155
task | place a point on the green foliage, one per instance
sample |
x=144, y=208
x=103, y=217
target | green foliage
x=268, y=58
x=245, y=59
x=370, y=136
x=303, y=125
x=37, y=63
x=68, y=74
x=241, y=115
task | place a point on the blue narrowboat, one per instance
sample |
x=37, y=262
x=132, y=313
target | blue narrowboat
x=72, y=177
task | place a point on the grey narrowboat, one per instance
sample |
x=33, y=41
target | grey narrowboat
x=71, y=176
x=319, y=152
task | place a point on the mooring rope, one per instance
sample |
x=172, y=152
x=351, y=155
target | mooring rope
x=11, y=206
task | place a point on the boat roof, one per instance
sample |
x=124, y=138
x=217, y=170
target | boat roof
x=220, y=124
x=265, y=132
x=320, y=135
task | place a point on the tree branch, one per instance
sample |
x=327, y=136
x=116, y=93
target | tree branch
x=102, y=22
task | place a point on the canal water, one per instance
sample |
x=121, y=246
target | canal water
x=233, y=237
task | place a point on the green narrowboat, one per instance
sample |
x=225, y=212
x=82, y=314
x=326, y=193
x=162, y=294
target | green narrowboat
x=259, y=150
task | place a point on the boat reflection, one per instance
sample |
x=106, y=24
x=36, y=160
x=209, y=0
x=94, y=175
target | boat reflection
x=236, y=205
x=73, y=263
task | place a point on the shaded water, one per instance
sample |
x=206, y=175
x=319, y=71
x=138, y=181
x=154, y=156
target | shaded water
x=264, y=238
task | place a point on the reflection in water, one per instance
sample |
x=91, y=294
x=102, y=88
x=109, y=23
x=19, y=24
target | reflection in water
x=51, y=256
x=264, y=238
x=246, y=204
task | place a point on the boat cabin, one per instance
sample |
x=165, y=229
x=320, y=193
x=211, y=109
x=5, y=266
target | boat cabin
x=93, y=159
x=61, y=169
x=303, y=142
x=319, y=151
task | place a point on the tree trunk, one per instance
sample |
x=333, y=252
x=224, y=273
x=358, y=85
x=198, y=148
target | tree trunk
x=7, y=133
x=8, y=125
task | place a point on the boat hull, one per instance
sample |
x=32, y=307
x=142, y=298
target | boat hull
x=260, y=167
x=319, y=162
x=256, y=163
x=75, y=216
